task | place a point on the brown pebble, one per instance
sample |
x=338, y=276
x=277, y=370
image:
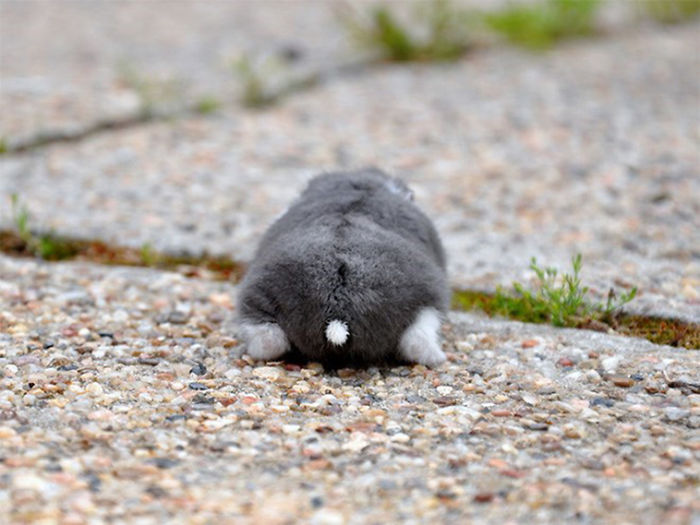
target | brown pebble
x=529, y=343
x=565, y=361
x=537, y=426
x=498, y=463
x=484, y=497
x=445, y=401
x=501, y=413
x=229, y=343
x=513, y=473
x=318, y=464
x=654, y=388
x=622, y=381
x=226, y=401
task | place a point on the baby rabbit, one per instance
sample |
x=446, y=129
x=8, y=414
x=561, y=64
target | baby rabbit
x=353, y=274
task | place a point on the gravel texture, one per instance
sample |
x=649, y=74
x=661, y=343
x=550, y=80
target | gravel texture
x=124, y=397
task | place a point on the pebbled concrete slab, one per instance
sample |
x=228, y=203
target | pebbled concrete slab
x=124, y=396
x=513, y=155
x=180, y=51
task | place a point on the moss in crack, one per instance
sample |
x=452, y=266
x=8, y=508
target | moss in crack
x=563, y=301
x=52, y=247
x=672, y=332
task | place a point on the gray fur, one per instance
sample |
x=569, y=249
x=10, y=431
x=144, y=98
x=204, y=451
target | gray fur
x=353, y=247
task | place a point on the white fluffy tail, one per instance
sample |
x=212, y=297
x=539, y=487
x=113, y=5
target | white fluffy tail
x=337, y=332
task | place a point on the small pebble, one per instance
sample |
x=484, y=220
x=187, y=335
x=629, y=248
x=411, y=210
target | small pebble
x=444, y=390
x=164, y=463
x=271, y=373
x=675, y=413
x=602, y=401
x=537, y=426
x=94, y=389
x=198, y=369
x=610, y=364
x=622, y=381
x=484, y=497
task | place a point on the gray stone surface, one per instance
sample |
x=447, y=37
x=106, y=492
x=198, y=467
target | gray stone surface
x=183, y=50
x=513, y=155
x=124, y=397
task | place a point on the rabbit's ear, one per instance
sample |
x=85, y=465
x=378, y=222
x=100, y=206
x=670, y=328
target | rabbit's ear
x=399, y=188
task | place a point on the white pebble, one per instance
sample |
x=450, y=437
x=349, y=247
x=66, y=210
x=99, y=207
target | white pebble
x=529, y=398
x=271, y=373
x=610, y=364
x=290, y=429
x=94, y=389
x=120, y=316
x=327, y=517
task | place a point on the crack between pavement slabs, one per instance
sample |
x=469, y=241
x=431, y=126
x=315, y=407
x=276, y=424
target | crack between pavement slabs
x=295, y=85
x=52, y=247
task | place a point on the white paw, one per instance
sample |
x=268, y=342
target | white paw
x=264, y=341
x=420, y=343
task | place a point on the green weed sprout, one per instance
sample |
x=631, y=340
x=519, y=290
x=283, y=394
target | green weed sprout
x=445, y=33
x=47, y=245
x=153, y=93
x=207, y=105
x=539, y=26
x=255, y=89
x=561, y=302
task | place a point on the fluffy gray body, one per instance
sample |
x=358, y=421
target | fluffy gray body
x=354, y=251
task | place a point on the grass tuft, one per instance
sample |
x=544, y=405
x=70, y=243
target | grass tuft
x=20, y=218
x=539, y=26
x=148, y=256
x=154, y=93
x=445, y=32
x=207, y=105
x=255, y=91
x=46, y=245
x=558, y=301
